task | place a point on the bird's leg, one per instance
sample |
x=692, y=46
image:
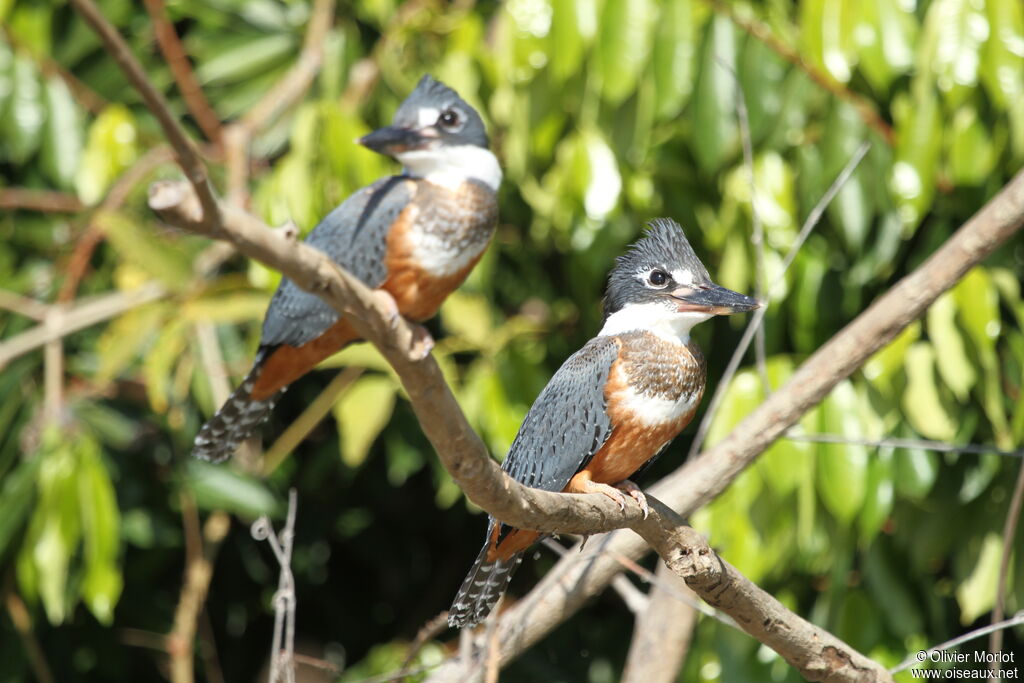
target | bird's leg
x=422, y=342
x=636, y=494
x=582, y=483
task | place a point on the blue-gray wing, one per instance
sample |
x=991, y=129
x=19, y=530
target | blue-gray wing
x=567, y=423
x=354, y=236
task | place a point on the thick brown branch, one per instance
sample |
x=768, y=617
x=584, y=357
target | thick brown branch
x=184, y=150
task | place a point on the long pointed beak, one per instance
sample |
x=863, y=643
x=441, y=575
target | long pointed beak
x=714, y=299
x=393, y=140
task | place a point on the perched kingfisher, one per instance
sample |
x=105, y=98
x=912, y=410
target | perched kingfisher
x=615, y=404
x=415, y=236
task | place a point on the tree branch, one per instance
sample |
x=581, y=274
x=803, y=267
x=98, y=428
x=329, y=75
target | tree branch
x=184, y=150
x=177, y=59
x=662, y=634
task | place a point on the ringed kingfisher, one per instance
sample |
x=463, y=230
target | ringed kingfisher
x=615, y=404
x=416, y=236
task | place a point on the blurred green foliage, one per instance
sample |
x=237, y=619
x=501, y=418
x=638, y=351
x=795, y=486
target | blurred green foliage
x=604, y=113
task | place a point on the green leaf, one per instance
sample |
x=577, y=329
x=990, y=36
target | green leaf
x=244, y=57
x=918, y=146
x=916, y=472
x=216, y=487
x=362, y=412
x=972, y=153
x=842, y=468
x=1002, y=60
x=714, y=122
x=469, y=316
x=109, y=149
x=853, y=207
x=878, y=497
x=888, y=361
x=977, y=303
x=955, y=368
x=22, y=122
x=977, y=593
x=565, y=43
x=675, y=46
x=54, y=532
x=16, y=496
x=885, y=37
x=623, y=44
x=159, y=361
x=951, y=41
x=921, y=400
x=139, y=246
x=101, y=525
x=63, y=136
x=125, y=339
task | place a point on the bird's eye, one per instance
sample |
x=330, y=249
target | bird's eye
x=449, y=118
x=658, y=278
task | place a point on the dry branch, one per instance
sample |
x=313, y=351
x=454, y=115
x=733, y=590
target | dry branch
x=661, y=637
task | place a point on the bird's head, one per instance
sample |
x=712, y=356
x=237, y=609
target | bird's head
x=661, y=285
x=436, y=132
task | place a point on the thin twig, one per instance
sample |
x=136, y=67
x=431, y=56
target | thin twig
x=862, y=105
x=427, y=632
x=22, y=621
x=22, y=305
x=922, y=655
x=757, y=236
x=177, y=60
x=53, y=368
x=282, y=652
x=184, y=150
x=83, y=314
x=995, y=641
x=661, y=634
x=758, y=317
x=919, y=444
x=283, y=94
x=198, y=572
x=27, y=199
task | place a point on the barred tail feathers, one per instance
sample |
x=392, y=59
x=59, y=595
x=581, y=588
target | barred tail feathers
x=236, y=420
x=485, y=583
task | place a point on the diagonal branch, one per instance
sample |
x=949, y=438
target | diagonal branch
x=184, y=149
x=177, y=59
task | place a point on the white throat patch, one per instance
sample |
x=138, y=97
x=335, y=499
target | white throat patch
x=655, y=318
x=452, y=166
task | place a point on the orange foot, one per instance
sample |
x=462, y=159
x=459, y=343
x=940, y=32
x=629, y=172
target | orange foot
x=580, y=484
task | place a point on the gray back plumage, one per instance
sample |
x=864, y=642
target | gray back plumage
x=567, y=423
x=354, y=236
